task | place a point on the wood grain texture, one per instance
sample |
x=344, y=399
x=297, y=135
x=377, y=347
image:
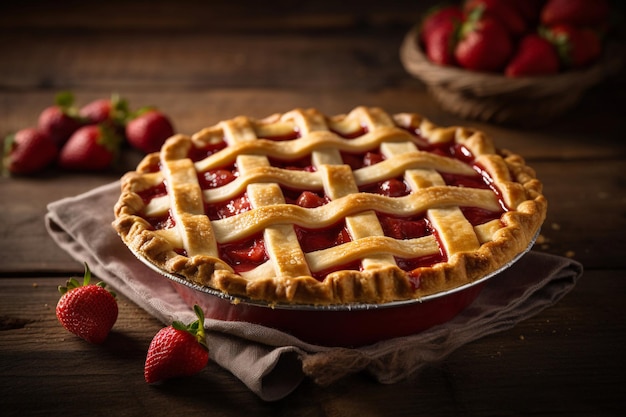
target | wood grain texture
x=202, y=62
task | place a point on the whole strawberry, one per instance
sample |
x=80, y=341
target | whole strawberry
x=439, y=45
x=438, y=16
x=577, y=46
x=484, y=44
x=60, y=120
x=534, y=56
x=438, y=33
x=177, y=350
x=88, y=310
x=148, y=131
x=28, y=151
x=90, y=148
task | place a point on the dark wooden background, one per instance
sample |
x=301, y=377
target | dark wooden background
x=201, y=62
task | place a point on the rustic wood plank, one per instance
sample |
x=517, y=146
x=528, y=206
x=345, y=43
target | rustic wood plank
x=586, y=210
x=554, y=359
x=183, y=60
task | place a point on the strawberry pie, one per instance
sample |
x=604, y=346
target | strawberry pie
x=305, y=208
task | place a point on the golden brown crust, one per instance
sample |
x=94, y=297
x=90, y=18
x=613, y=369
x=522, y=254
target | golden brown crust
x=473, y=252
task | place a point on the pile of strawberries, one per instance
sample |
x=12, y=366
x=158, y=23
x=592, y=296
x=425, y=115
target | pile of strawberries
x=517, y=38
x=87, y=138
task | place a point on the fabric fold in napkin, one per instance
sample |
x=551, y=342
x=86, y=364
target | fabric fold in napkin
x=272, y=363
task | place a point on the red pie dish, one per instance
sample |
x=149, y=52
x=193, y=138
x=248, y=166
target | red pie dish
x=303, y=214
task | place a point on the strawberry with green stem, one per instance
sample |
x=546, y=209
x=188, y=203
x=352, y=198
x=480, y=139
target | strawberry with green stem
x=577, y=46
x=534, y=56
x=177, y=350
x=113, y=110
x=60, y=120
x=91, y=148
x=87, y=310
x=438, y=33
x=504, y=11
x=484, y=44
x=28, y=151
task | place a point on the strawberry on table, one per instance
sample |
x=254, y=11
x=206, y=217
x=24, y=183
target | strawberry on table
x=535, y=55
x=484, y=44
x=177, y=350
x=28, y=151
x=60, y=120
x=87, y=310
x=90, y=148
x=148, y=131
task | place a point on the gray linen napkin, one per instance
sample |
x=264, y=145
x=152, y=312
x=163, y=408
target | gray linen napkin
x=272, y=363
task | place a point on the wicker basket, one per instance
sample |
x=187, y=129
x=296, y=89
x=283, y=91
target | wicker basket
x=500, y=99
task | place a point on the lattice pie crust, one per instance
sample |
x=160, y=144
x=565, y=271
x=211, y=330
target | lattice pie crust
x=436, y=165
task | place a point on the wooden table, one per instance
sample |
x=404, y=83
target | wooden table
x=201, y=64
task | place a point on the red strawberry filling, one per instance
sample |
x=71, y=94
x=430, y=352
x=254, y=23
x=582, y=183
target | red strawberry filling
x=404, y=228
x=153, y=192
x=394, y=187
x=410, y=228
x=216, y=178
x=162, y=222
x=469, y=181
x=198, y=154
x=411, y=264
x=306, y=199
x=318, y=239
x=238, y=205
x=357, y=161
x=244, y=255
